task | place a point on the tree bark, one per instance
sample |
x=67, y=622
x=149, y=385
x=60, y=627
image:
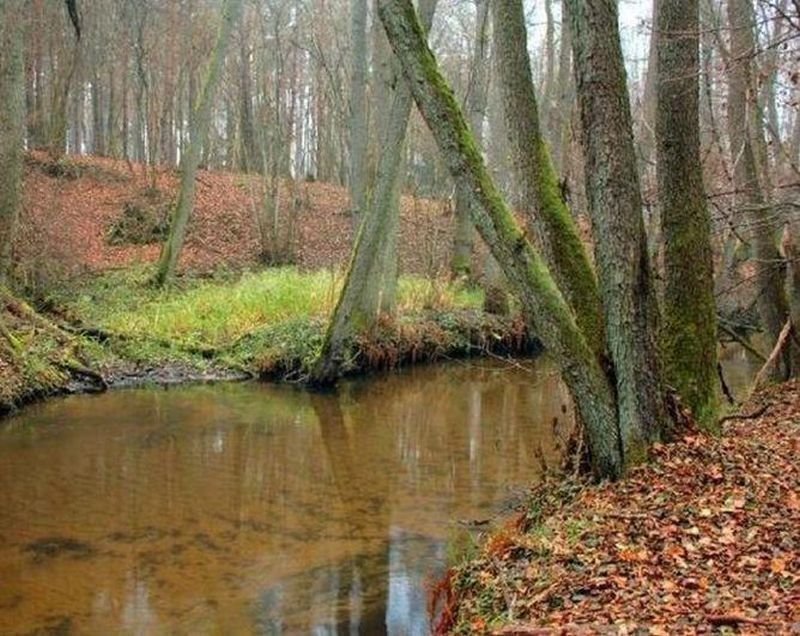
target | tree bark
x=525, y=270
x=200, y=121
x=690, y=336
x=552, y=226
x=12, y=127
x=615, y=205
x=477, y=94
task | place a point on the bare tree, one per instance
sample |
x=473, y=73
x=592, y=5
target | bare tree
x=201, y=119
x=475, y=111
x=750, y=198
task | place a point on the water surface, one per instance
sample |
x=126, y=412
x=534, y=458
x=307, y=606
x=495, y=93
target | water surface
x=247, y=508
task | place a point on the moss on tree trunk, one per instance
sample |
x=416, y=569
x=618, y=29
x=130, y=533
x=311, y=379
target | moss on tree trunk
x=527, y=273
x=689, y=333
x=615, y=205
x=554, y=231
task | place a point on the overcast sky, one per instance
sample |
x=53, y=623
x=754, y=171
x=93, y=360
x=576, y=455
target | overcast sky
x=634, y=23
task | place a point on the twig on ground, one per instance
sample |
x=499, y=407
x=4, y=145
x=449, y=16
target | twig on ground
x=746, y=416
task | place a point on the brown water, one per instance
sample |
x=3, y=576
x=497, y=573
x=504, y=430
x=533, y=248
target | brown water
x=246, y=508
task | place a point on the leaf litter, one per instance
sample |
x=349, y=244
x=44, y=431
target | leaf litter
x=703, y=539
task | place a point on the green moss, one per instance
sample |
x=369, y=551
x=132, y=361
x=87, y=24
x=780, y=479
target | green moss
x=569, y=253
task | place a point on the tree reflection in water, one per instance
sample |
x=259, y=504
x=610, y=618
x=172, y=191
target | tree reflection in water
x=242, y=507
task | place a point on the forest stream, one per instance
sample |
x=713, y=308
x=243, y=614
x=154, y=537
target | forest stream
x=252, y=508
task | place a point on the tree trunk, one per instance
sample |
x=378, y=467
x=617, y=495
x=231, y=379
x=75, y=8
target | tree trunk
x=98, y=125
x=690, y=337
x=248, y=152
x=615, y=205
x=549, y=88
x=792, y=252
x=647, y=114
x=562, y=111
x=57, y=136
x=358, y=110
x=461, y=262
x=772, y=303
x=369, y=286
x=12, y=127
x=200, y=121
x=552, y=226
x=525, y=270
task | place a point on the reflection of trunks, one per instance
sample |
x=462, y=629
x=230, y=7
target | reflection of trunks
x=377, y=592
x=251, y=507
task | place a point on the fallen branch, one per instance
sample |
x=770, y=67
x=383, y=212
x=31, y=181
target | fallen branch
x=748, y=416
x=783, y=339
x=732, y=620
x=742, y=341
x=725, y=388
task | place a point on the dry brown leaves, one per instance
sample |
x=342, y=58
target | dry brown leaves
x=69, y=219
x=706, y=538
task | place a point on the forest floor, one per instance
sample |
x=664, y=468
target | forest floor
x=703, y=539
x=71, y=209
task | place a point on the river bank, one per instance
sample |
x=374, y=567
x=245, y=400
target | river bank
x=115, y=330
x=704, y=539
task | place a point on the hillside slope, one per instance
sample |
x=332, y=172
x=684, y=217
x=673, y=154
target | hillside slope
x=69, y=211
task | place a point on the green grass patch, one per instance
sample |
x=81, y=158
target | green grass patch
x=218, y=312
x=266, y=320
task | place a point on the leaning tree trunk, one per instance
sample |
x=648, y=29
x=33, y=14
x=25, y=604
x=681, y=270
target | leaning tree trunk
x=615, y=205
x=690, y=335
x=554, y=231
x=477, y=97
x=771, y=301
x=198, y=133
x=12, y=127
x=372, y=270
x=542, y=302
